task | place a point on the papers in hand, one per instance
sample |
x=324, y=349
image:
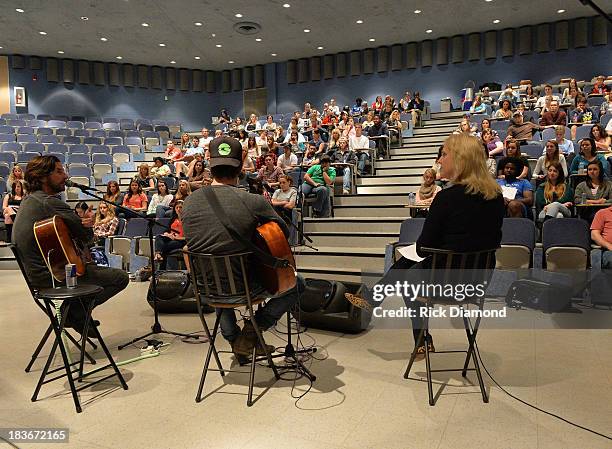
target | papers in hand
x=410, y=252
x=509, y=192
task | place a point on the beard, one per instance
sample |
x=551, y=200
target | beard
x=56, y=187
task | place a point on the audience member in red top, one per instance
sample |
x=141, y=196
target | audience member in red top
x=599, y=88
x=174, y=155
x=601, y=233
x=170, y=241
x=377, y=105
x=554, y=116
x=134, y=199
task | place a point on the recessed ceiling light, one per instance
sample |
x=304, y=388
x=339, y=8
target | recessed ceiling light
x=417, y=11
x=198, y=24
x=273, y=54
x=145, y=24
x=286, y=5
x=103, y=39
x=230, y=62
x=196, y=57
x=496, y=21
x=213, y=35
x=258, y=39
x=172, y=62
x=119, y=57
x=218, y=45
x=372, y=39
x=19, y=10
x=306, y=30
x=162, y=45
x=429, y=31
x=560, y=11
x=359, y=21
x=60, y=52
x=1, y=47
x=319, y=48
x=238, y=15
x=488, y=1
x=84, y=18
x=42, y=33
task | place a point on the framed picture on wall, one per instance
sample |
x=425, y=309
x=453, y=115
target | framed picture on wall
x=20, y=97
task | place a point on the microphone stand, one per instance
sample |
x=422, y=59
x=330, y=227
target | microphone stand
x=156, y=328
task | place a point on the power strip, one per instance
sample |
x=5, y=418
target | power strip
x=152, y=349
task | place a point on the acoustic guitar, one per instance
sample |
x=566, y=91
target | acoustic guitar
x=58, y=248
x=271, y=239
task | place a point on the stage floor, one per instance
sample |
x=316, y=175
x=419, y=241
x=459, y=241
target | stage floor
x=360, y=399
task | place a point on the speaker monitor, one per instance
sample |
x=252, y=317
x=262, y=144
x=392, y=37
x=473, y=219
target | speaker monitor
x=303, y=70
x=426, y=53
x=355, y=63
x=84, y=72
x=291, y=72
x=328, y=67
x=52, y=70
x=184, y=80
x=196, y=80
x=226, y=81
x=259, y=76
x=507, y=37
x=562, y=35
x=113, y=74
x=315, y=68
x=17, y=62
x=143, y=77
x=35, y=63
x=99, y=77
x=457, y=44
x=442, y=51
x=397, y=60
x=341, y=65
x=474, y=47
x=525, y=40
x=382, y=59
x=170, y=78
x=580, y=33
x=411, y=55
x=368, y=61
x=68, y=71
x=543, y=32
x=128, y=75
x=211, y=82
x=600, y=31
x=156, y=77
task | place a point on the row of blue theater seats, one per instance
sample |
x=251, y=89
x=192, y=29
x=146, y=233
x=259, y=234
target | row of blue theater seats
x=74, y=140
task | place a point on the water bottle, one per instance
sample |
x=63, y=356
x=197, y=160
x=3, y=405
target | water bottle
x=583, y=198
x=411, y=199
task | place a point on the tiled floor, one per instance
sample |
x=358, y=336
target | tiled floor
x=360, y=399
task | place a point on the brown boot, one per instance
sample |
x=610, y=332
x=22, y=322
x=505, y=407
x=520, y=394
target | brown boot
x=244, y=343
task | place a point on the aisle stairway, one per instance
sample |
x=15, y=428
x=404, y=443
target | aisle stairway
x=354, y=241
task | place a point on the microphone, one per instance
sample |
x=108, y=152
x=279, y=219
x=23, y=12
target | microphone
x=81, y=187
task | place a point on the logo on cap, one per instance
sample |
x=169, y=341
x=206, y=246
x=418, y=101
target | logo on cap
x=225, y=149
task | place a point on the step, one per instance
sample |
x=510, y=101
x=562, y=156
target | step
x=437, y=124
x=426, y=139
x=373, y=211
x=442, y=122
x=442, y=115
x=340, y=257
x=435, y=131
x=404, y=162
x=381, y=190
x=370, y=200
x=353, y=224
x=352, y=239
x=402, y=171
x=336, y=274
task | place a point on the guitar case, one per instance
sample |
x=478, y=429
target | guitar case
x=174, y=292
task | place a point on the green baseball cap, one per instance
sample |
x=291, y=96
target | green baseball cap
x=225, y=151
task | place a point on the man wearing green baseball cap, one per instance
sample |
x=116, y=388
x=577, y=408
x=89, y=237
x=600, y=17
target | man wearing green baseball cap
x=205, y=233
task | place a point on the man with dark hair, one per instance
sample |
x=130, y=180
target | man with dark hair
x=378, y=132
x=554, y=116
x=518, y=193
x=318, y=180
x=46, y=179
x=204, y=233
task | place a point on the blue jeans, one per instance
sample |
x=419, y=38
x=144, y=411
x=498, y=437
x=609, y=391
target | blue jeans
x=346, y=179
x=265, y=316
x=161, y=210
x=363, y=158
x=606, y=260
x=321, y=205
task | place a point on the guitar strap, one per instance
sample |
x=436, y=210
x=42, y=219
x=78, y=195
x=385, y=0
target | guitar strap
x=264, y=257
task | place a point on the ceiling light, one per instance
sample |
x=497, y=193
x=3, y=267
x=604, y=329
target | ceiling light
x=218, y=45
x=198, y=24
x=319, y=48
x=230, y=62
x=19, y=10
x=103, y=39
x=488, y=1
x=119, y=57
x=84, y=18
x=238, y=15
x=273, y=54
x=42, y=33
x=429, y=31
x=496, y=21
x=306, y=30
x=359, y=21
x=162, y=45
x=196, y=57
x=1, y=47
x=417, y=11
x=560, y=11
x=60, y=52
x=172, y=62
x=258, y=39
x=286, y=5
x=213, y=35
x=372, y=39
x=145, y=24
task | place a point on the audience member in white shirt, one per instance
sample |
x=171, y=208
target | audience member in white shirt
x=360, y=144
x=287, y=160
x=205, y=139
x=541, y=103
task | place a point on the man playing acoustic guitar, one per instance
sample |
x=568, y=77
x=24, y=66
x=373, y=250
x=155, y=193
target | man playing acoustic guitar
x=205, y=233
x=46, y=178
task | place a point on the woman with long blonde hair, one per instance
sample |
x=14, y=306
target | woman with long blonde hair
x=465, y=216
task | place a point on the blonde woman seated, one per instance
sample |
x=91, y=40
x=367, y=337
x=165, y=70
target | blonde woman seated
x=465, y=127
x=428, y=190
x=550, y=156
x=554, y=198
x=105, y=223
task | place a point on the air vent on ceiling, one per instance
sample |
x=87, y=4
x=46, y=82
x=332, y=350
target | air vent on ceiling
x=247, y=28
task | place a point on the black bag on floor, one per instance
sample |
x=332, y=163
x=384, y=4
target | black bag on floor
x=538, y=295
x=174, y=292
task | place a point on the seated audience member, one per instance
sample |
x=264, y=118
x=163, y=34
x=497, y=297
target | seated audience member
x=521, y=130
x=508, y=94
x=260, y=138
x=160, y=201
x=237, y=125
x=554, y=197
x=356, y=109
x=195, y=142
x=484, y=125
x=551, y=156
x=599, y=87
x=548, y=93
x=436, y=168
x=271, y=145
x=307, y=110
x=269, y=173
x=360, y=144
x=566, y=146
x=378, y=132
x=105, y=223
x=349, y=128
x=242, y=136
x=601, y=234
x=530, y=99
x=485, y=97
x=252, y=147
x=198, y=175
x=595, y=190
x=386, y=111
x=493, y=145
x=571, y=97
x=288, y=160
x=193, y=150
x=279, y=134
x=428, y=190
x=159, y=170
x=606, y=106
x=415, y=107
x=368, y=122
x=10, y=205
x=224, y=117
x=588, y=153
x=318, y=142
x=519, y=197
x=113, y=194
x=294, y=142
x=405, y=101
x=465, y=127
x=135, y=199
x=252, y=125
x=248, y=166
x=218, y=133
x=505, y=110
x=310, y=156
x=581, y=115
x=16, y=175
x=554, y=116
x=343, y=155
x=334, y=107
x=318, y=180
x=513, y=151
x=256, y=187
x=394, y=125
x=269, y=125
x=572, y=84
x=377, y=106
x=170, y=241
x=334, y=138
x=185, y=141
x=609, y=128
x=478, y=107
x=174, y=155
x=602, y=141
x=143, y=177
x=284, y=198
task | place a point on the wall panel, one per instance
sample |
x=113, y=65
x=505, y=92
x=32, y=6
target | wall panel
x=411, y=55
x=490, y=45
x=397, y=57
x=315, y=68
x=426, y=53
x=99, y=76
x=543, y=34
x=156, y=77
x=84, y=77
x=562, y=35
x=52, y=70
x=291, y=72
x=68, y=71
x=247, y=77
x=442, y=51
x=600, y=31
x=328, y=67
x=507, y=46
x=196, y=81
x=580, y=33
x=170, y=78
x=184, y=79
x=368, y=61
x=143, y=77
x=236, y=80
x=303, y=70
x=35, y=63
x=114, y=78
x=17, y=62
x=525, y=47
x=355, y=63
x=474, y=47
x=259, y=75
x=341, y=65
x=382, y=59
x=457, y=50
